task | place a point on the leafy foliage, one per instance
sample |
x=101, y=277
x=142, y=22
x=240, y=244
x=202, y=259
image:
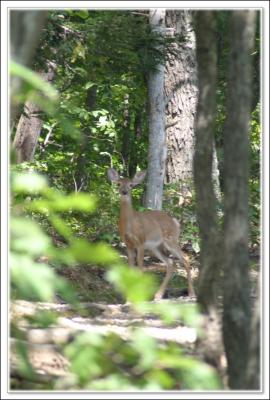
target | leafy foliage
x=110, y=363
x=31, y=278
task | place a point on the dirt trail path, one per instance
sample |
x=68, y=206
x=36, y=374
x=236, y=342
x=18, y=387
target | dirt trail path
x=44, y=344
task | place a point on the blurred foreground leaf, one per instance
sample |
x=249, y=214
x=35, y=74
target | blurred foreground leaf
x=34, y=80
x=96, y=253
x=27, y=237
x=135, y=285
x=28, y=182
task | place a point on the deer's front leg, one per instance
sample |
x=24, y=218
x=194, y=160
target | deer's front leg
x=131, y=256
x=140, y=256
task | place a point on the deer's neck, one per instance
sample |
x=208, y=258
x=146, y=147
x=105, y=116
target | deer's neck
x=126, y=209
x=126, y=215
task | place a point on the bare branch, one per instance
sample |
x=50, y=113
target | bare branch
x=49, y=134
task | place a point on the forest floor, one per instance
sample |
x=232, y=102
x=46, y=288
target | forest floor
x=101, y=310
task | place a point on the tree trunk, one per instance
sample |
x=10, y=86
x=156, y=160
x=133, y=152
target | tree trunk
x=25, y=30
x=29, y=127
x=236, y=313
x=181, y=93
x=253, y=365
x=181, y=89
x=211, y=345
x=157, y=139
x=203, y=160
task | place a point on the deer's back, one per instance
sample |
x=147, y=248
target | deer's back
x=157, y=225
x=149, y=228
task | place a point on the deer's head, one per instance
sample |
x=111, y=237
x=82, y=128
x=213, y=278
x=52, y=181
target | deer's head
x=125, y=185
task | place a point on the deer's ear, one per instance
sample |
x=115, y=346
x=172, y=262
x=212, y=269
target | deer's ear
x=138, y=178
x=113, y=175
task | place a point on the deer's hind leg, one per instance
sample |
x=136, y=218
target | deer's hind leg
x=158, y=253
x=173, y=248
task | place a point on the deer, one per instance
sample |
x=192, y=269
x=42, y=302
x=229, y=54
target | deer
x=151, y=230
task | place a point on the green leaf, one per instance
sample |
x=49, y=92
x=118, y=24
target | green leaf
x=147, y=347
x=162, y=378
x=33, y=79
x=82, y=14
x=66, y=290
x=24, y=364
x=199, y=376
x=196, y=375
x=28, y=182
x=113, y=382
x=57, y=202
x=99, y=253
x=86, y=356
x=171, y=312
x=42, y=319
x=27, y=237
x=78, y=52
x=88, y=85
x=37, y=281
x=33, y=280
x=81, y=71
x=102, y=122
x=196, y=247
x=76, y=201
x=132, y=283
x=61, y=227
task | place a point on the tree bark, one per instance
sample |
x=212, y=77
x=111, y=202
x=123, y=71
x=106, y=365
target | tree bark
x=181, y=89
x=29, y=127
x=25, y=30
x=203, y=161
x=236, y=314
x=157, y=139
x=182, y=94
x=254, y=359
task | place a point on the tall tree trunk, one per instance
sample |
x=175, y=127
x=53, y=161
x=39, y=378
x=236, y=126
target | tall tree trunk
x=211, y=345
x=203, y=159
x=29, y=127
x=181, y=89
x=236, y=313
x=25, y=30
x=157, y=139
x=181, y=94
